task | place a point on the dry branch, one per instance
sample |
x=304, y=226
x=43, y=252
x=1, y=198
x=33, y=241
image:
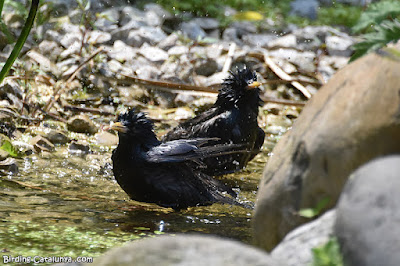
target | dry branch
x=283, y=75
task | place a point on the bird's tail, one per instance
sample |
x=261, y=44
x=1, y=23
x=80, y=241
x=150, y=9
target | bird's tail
x=232, y=201
x=221, y=149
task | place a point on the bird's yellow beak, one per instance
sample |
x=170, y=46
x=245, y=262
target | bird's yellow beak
x=118, y=126
x=253, y=85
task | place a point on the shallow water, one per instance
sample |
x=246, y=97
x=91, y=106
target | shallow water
x=68, y=205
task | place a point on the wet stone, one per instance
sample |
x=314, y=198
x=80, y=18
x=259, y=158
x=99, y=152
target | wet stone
x=23, y=147
x=68, y=39
x=193, y=30
x=339, y=46
x=215, y=79
x=50, y=49
x=101, y=84
x=183, y=99
x=158, y=10
x=99, y=37
x=169, y=41
x=178, y=50
x=122, y=52
x=3, y=154
x=207, y=23
x=129, y=14
x=259, y=40
x=106, y=25
x=57, y=137
x=231, y=35
x=78, y=147
x=106, y=139
x=206, y=67
x=40, y=143
x=122, y=32
x=148, y=72
x=152, y=19
x=153, y=54
x=285, y=41
x=81, y=124
x=111, y=14
x=151, y=35
x=71, y=49
x=134, y=39
x=8, y=166
x=10, y=86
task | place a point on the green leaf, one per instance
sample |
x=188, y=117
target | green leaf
x=376, y=14
x=308, y=213
x=8, y=147
x=312, y=212
x=328, y=254
x=386, y=32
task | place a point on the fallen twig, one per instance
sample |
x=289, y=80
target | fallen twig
x=205, y=91
x=281, y=101
x=280, y=81
x=228, y=61
x=283, y=75
x=171, y=85
x=87, y=110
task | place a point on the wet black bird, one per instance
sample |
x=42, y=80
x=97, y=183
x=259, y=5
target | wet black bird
x=165, y=173
x=232, y=119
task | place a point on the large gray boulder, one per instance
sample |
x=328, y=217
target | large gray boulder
x=352, y=119
x=296, y=248
x=191, y=250
x=368, y=214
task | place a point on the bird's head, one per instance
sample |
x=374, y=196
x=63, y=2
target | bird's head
x=133, y=124
x=241, y=84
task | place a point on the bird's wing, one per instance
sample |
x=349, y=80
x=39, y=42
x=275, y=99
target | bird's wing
x=185, y=129
x=223, y=125
x=175, y=150
x=190, y=150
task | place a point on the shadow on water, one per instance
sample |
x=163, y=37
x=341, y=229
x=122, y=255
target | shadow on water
x=66, y=205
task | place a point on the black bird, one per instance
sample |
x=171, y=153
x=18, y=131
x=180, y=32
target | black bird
x=232, y=119
x=165, y=173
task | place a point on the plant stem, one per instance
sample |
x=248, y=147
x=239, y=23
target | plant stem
x=21, y=40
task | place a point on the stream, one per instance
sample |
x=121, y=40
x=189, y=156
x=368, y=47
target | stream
x=62, y=204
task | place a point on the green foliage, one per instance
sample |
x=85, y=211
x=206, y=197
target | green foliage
x=381, y=24
x=3, y=27
x=376, y=14
x=12, y=151
x=339, y=14
x=214, y=9
x=313, y=212
x=328, y=254
x=17, y=7
x=386, y=32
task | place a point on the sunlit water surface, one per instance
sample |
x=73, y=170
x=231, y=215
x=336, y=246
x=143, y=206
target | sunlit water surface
x=68, y=205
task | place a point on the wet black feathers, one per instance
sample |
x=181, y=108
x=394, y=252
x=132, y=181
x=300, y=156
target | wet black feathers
x=232, y=119
x=164, y=173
